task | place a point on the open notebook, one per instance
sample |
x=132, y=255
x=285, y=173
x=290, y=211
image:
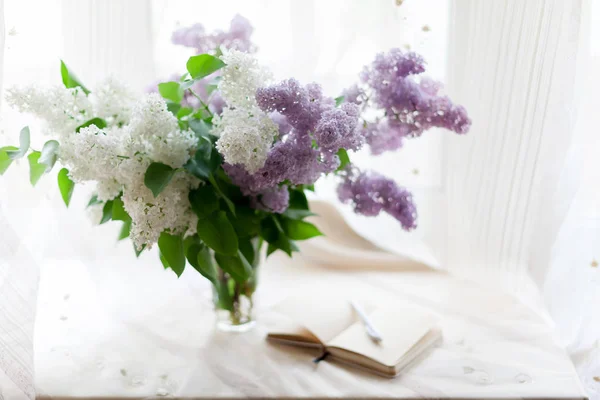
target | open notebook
x=331, y=324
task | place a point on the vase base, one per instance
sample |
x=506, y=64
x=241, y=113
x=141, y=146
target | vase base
x=227, y=326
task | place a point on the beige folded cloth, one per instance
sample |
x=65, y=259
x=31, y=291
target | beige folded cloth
x=342, y=247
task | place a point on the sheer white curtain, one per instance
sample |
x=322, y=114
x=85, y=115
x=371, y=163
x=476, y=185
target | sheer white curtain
x=18, y=292
x=521, y=198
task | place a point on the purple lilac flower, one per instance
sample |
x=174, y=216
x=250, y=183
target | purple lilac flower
x=371, y=193
x=383, y=136
x=300, y=111
x=190, y=36
x=301, y=105
x=282, y=122
x=354, y=94
x=237, y=37
x=274, y=200
x=337, y=129
x=291, y=161
x=411, y=107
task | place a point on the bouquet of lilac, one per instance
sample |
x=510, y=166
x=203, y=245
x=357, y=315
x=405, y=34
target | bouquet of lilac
x=217, y=163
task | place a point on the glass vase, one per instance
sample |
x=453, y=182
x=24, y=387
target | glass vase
x=234, y=301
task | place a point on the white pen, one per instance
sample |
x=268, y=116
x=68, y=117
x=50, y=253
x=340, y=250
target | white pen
x=371, y=330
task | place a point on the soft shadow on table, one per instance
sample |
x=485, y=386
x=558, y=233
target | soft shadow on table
x=341, y=247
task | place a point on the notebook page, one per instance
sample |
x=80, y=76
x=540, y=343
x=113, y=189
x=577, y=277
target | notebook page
x=325, y=316
x=401, y=328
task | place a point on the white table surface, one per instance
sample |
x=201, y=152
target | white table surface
x=163, y=342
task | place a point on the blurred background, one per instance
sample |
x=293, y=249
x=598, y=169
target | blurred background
x=515, y=204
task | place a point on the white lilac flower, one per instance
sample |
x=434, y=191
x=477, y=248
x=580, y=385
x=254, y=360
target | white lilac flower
x=113, y=101
x=158, y=134
x=92, y=154
x=169, y=211
x=241, y=77
x=116, y=157
x=246, y=136
x=246, y=132
x=62, y=109
x=108, y=189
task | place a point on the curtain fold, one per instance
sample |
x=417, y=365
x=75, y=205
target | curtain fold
x=522, y=187
x=513, y=66
x=19, y=275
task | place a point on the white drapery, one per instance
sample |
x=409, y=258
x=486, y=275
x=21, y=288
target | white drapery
x=18, y=292
x=521, y=196
x=507, y=197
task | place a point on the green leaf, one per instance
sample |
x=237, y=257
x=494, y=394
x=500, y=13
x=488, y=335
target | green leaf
x=184, y=112
x=204, y=200
x=218, y=233
x=200, y=258
x=271, y=230
x=158, y=177
x=5, y=160
x=171, y=248
x=173, y=108
x=344, y=159
x=247, y=249
x=298, y=214
x=93, y=201
x=299, y=230
x=298, y=206
x=191, y=253
x=171, y=91
x=200, y=127
x=24, y=138
x=107, y=212
x=229, y=203
x=138, y=252
x=236, y=266
x=186, y=84
x=49, y=154
x=36, y=170
x=125, y=229
x=69, y=79
x=271, y=249
x=205, y=161
x=99, y=122
x=298, y=200
x=118, y=211
x=339, y=100
x=203, y=65
x=66, y=186
x=189, y=241
x=163, y=260
x=246, y=221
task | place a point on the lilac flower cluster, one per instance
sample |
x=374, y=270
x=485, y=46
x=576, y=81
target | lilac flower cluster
x=236, y=38
x=410, y=106
x=312, y=130
x=382, y=136
x=354, y=94
x=274, y=200
x=371, y=193
x=337, y=129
